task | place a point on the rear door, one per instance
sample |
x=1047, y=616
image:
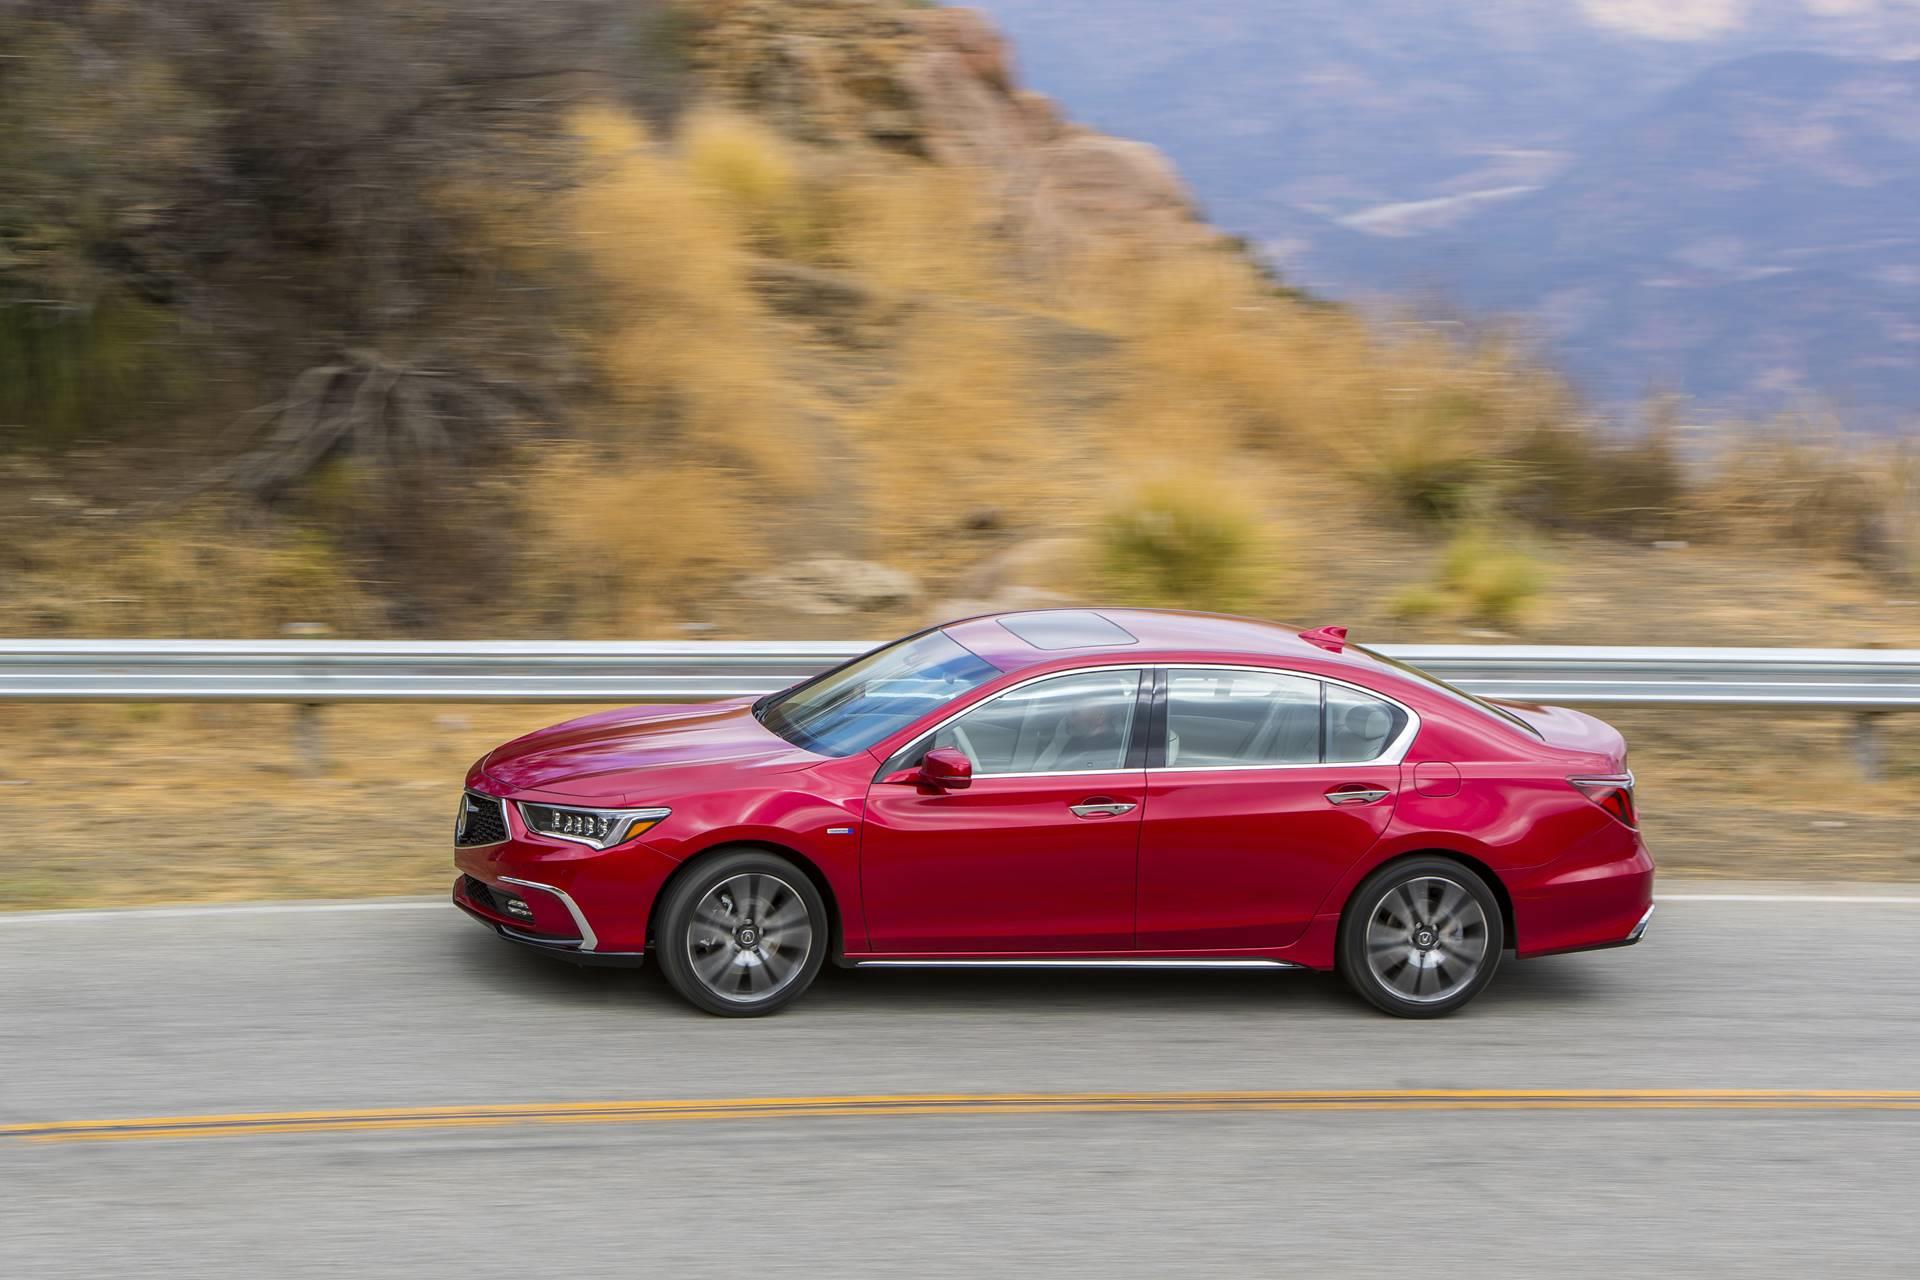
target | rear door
x=1038, y=854
x=1263, y=788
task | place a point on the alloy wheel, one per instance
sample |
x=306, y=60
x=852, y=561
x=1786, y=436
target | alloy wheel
x=1426, y=939
x=749, y=937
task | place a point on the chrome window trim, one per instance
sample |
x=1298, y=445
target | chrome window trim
x=506, y=823
x=1140, y=669
x=589, y=940
x=1394, y=755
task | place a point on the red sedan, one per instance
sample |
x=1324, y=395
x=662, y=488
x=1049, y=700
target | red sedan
x=1067, y=788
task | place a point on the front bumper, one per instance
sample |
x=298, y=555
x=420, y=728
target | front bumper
x=574, y=899
x=479, y=901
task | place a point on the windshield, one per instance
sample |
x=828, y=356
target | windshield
x=853, y=707
x=1458, y=695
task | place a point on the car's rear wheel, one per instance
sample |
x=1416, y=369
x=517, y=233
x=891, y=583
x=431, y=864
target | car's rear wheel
x=1421, y=937
x=743, y=934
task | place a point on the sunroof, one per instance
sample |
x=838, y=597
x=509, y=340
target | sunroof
x=1067, y=629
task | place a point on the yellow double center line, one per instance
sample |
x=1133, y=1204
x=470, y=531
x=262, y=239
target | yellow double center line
x=940, y=1104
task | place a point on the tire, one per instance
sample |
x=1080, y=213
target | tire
x=1427, y=900
x=743, y=934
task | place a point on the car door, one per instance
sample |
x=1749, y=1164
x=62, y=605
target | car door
x=1038, y=853
x=1263, y=787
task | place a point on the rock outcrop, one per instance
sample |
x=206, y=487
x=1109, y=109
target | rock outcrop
x=939, y=83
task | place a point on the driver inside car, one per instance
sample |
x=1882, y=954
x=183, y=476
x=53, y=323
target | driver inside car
x=1091, y=735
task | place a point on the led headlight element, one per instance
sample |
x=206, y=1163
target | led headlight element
x=595, y=828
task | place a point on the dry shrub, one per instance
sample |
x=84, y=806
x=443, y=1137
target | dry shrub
x=1419, y=416
x=622, y=546
x=1819, y=491
x=1574, y=474
x=757, y=179
x=1487, y=575
x=1186, y=539
x=1205, y=357
x=684, y=346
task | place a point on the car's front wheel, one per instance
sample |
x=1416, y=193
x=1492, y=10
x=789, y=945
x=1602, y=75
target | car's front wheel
x=743, y=934
x=1421, y=937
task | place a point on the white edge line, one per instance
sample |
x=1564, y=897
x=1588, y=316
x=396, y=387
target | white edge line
x=1890, y=900
x=217, y=909
x=439, y=904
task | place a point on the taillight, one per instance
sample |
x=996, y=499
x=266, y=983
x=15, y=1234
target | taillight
x=1612, y=792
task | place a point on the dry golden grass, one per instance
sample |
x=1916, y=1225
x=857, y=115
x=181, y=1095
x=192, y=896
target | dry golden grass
x=1813, y=487
x=756, y=179
x=960, y=429
x=206, y=572
x=684, y=340
x=625, y=546
x=907, y=226
x=210, y=804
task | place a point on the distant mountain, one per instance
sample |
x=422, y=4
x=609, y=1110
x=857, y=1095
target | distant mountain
x=1753, y=238
x=1713, y=196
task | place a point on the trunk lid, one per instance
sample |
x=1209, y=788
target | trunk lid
x=1575, y=731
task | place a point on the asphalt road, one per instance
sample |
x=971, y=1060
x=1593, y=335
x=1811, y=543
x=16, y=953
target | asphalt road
x=112, y=1015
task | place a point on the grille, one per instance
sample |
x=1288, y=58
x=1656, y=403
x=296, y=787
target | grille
x=483, y=820
x=496, y=901
x=481, y=895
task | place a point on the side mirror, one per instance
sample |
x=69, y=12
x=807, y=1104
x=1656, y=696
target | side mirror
x=946, y=768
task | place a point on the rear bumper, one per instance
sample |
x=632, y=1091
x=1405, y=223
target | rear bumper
x=1586, y=901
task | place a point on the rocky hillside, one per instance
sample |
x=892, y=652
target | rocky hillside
x=754, y=316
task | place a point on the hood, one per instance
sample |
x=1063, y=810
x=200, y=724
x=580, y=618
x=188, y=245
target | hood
x=632, y=755
x=1571, y=730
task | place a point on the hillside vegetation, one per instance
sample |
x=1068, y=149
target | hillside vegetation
x=375, y=314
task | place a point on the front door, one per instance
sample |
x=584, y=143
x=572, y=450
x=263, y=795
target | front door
x=1038, y=854
x=1267, y=787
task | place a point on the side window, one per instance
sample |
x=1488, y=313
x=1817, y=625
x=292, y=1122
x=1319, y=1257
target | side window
x=1072, y=723
x=1224, y=719
x=1359, y=726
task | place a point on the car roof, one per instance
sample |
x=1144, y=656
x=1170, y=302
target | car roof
x=1015, y=641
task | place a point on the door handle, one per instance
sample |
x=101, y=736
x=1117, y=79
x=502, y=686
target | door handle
x=1100, y=809
x=1356, y=793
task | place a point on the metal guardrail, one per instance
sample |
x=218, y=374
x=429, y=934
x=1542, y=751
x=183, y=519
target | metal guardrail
x=322, y=671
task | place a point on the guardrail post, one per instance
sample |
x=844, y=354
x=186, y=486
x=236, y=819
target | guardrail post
x=310, y=738
x=1869, y=755
x=309, y=730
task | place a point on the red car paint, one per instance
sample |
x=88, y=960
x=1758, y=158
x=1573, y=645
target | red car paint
x=1209, y=863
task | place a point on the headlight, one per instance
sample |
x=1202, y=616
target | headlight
x=595, y=828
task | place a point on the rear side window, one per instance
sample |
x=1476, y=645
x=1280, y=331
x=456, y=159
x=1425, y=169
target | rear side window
x=1224, y=719
x=1232, y=719
x=1359, y=726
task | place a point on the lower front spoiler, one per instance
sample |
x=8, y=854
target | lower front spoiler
x=568, y=949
